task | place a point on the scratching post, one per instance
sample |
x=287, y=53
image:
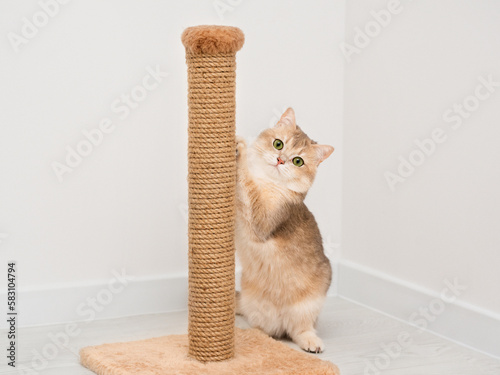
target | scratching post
x=213, y=346
x=211, y=60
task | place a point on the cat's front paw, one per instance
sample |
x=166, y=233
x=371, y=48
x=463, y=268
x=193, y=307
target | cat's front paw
x=309, y=342
x=241, y=146
x=238, y=309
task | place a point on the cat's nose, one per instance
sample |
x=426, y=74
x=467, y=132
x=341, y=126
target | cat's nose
x=280, y=161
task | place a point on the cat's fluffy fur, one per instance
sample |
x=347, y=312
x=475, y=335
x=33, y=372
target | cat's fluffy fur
x=285, y=272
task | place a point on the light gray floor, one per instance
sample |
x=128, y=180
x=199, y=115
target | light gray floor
x=354, y=336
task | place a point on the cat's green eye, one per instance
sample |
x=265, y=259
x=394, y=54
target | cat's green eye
x=298, y=161
x=278, y=144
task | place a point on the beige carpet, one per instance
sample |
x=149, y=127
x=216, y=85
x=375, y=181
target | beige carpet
x=255, y=353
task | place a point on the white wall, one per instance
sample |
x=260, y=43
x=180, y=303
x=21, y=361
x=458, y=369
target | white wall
x=443, y=221
x=123, y=206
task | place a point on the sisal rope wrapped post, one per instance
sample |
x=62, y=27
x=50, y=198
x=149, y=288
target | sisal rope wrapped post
x=211, y=60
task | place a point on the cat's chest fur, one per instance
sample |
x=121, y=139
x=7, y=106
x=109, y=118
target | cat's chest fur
x=269, y=265
x=266, y=269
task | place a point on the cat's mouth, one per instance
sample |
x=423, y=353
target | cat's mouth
x=273, y=168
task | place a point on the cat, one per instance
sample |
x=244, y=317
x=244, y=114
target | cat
x=285, y=273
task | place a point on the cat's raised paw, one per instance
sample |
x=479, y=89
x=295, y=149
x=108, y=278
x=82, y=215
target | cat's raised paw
x=310, y=342
x=241, y=145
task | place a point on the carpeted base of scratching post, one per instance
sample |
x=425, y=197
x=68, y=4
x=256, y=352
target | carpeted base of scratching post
x=255, y=353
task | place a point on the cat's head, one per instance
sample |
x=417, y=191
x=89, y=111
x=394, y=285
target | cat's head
x=285, y=155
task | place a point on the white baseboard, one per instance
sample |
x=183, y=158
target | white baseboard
x=116, y=297
x=458, y=321
x=126, y=296
x=78, y=302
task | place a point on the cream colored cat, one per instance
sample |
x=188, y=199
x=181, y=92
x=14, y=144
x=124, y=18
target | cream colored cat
x=285, y=272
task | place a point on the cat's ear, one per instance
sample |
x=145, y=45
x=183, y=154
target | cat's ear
x=287, y=118
x=323, y=151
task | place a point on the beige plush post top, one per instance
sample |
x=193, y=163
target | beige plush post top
x=212, y=39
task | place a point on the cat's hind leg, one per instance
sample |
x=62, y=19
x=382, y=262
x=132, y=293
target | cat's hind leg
x=300, y=320
x=308, y=340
